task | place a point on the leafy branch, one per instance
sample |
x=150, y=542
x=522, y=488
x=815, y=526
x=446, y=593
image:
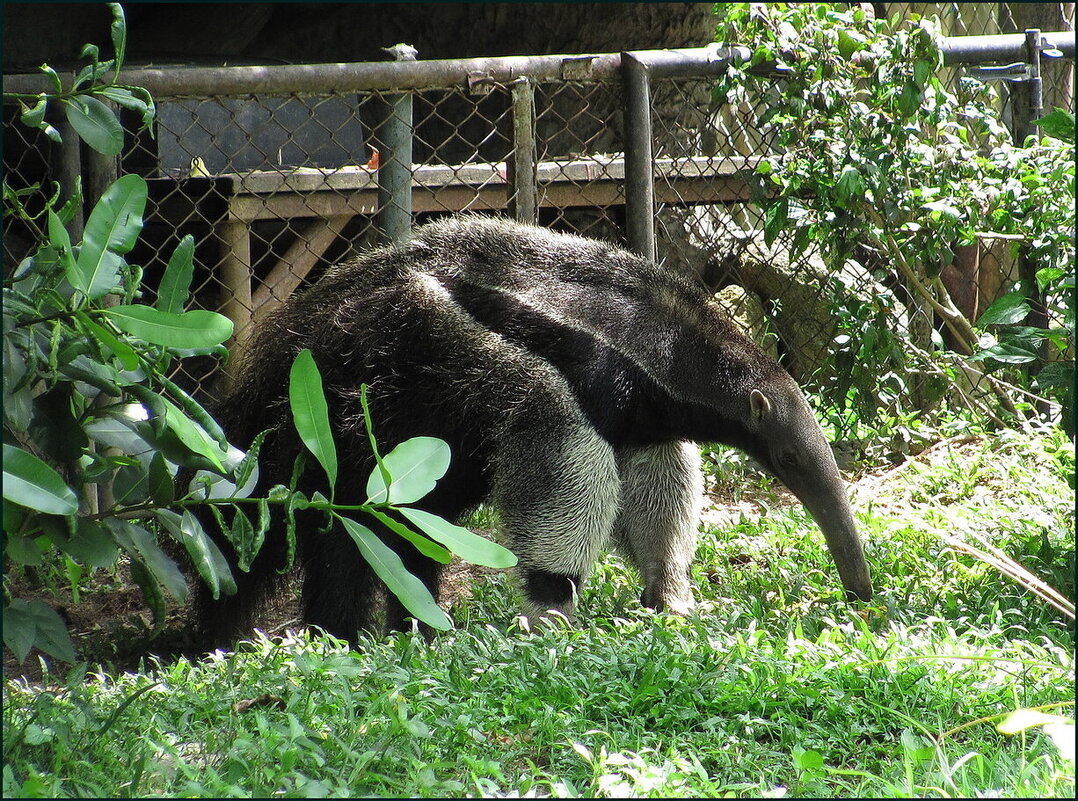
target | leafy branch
x=874, y=154
x=83, y=102
x=96, y=433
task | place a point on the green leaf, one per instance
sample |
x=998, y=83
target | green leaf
x=850, y=185
x=849, y=42
x=118, y=32
x=19, y=629
x=97, y=374
x=424, y=545
x=18, y=397
x=95, y=123
x=30, y=482
x=162, y=487
x=775, y=220
x=1007, y=354
x=143, y=547
x=33, y=116
x=72, y=204
x=36, y=624
x=52, y=635
x=176, y=282
x=941, y=208
x=124, y=352
x=151, y=591
x=245, y=538
x=193, y=435
x=205, y=555
x=921, y=72
x=1056, y=375
x=128, y=99
x=1006, y=310
x=258, y=537
x=909, y=100
x=1046, y=276
x=61, y=241
x=192, y=329
x=53, y=76
x=22, y=550
x=1059, y=124
x=111, y=231
x=92, y=544
x=246, y=471
x=808, y=761
x=468, y=546
x=415, y=467
x=389, y=568
x=311, y=413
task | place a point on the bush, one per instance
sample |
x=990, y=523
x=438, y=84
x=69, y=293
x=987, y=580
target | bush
x=876, y=159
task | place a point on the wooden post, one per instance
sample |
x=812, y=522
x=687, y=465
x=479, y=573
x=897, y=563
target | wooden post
x=639, y=186
x=521, y=178
x=235, y=249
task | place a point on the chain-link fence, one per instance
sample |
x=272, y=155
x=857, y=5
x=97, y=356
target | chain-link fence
x=280, y=172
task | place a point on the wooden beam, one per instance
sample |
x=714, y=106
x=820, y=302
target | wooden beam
x=295, y=264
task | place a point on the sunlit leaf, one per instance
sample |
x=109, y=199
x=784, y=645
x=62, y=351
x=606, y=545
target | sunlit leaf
x=414, y=466
x=193, y=435
x=111, y=231
x=176, y=281
x=192, y=329
x=95, y=123
x=412, y=593
x=311, y=413
x=1058, y=124
x=30, y=482
x=468, y=546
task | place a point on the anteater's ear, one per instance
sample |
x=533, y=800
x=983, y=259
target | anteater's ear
x=759, y=405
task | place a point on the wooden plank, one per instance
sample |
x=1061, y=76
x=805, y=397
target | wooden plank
x=235, y=275
x=283, y=206
x=597, y=181
x=294, y=265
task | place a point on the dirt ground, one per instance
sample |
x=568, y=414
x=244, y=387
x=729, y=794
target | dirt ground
x=113, y=626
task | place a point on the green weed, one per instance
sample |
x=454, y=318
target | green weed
x=774, y=687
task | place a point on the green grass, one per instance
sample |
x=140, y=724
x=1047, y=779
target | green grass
x=775, y=686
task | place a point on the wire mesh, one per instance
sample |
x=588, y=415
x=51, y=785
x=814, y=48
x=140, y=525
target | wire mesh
x=276, y=188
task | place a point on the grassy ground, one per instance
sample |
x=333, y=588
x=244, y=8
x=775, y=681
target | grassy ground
x=774, y=688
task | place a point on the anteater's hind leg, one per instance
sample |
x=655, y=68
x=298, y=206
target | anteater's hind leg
x=661, y=492
x=340, y=590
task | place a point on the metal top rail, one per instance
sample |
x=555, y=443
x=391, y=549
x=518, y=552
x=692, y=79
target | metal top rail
x=443, y=73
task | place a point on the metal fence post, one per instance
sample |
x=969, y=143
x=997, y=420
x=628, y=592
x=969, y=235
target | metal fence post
x=1032, y=110
x=395, y=161
x=1035, y=101
x=521, y=167
x=639, y=186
